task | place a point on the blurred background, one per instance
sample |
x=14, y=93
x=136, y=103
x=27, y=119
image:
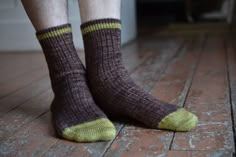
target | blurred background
x=138, y=16
x=184, y=11
x=186, y=15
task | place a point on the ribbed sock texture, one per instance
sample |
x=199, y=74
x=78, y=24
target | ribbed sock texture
x=73, y=104
x=113, y=89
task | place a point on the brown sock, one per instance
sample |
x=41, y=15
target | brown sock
x=109, y=82
x=74, y=113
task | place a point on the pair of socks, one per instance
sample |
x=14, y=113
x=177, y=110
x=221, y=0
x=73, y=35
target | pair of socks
x=83, y=95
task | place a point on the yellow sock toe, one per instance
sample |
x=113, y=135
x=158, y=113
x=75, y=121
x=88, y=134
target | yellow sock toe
x=97, y=130
x=180, y=120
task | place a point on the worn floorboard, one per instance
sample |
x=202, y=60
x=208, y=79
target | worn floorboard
x=196, y=71
x=142, y=141
x=18, y=97
x=15, y=65
x=19, y=117
x=231, y=58
x=208, y=98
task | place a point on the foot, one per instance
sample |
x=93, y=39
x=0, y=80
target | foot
x=75, y=115
x=114, y=91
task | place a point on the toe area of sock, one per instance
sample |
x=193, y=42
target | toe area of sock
x=180, y=120
x=97, y=130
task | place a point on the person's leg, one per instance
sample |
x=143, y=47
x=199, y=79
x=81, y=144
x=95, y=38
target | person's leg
x=74, y=113
x=99, y=9
x=109, y=82
x=46, y=14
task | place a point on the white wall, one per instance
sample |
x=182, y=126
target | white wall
x=17, y=33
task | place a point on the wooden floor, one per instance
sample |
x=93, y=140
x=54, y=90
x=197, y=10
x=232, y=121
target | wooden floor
x=194, y=70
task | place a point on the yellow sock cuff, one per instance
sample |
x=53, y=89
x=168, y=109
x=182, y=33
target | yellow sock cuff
x=97, y=25
x=54, y=32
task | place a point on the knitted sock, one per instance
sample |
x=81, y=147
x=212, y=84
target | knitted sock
x=75, y=115
x=113, y=89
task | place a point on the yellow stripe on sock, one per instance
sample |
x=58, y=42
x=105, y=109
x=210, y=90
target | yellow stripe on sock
x=54, y=33
x=100, y=26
